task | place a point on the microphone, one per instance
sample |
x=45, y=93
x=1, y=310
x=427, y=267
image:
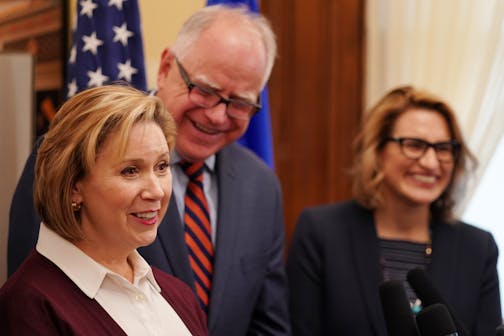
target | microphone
x=429, y=295
x=500, y=330
x=396, y=309
x=435, y=320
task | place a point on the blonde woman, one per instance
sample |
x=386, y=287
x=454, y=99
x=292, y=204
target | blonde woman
x=102, y=186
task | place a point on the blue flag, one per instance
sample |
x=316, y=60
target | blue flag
x=258, y=136
x=106, y=45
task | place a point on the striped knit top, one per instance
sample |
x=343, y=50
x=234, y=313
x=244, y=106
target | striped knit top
x=398, y=257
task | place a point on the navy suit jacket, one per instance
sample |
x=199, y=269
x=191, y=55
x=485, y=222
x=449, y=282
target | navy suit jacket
x=249, y=290
x=334, y=273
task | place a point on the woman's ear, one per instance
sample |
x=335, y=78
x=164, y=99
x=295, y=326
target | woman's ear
x=77, y=193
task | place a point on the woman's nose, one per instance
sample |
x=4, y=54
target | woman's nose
x=153, y=188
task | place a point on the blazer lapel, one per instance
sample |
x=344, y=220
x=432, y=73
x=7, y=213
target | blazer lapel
x=444, y=258
x=366, y=252
x=228, y=210
x=171, y=238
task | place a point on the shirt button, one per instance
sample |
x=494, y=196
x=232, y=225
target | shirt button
x=139, y=297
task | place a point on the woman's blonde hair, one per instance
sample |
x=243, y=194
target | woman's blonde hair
x=377, y=126
x=76, y=135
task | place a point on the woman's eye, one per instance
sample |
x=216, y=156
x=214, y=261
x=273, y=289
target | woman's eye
x=164, y=166
x=129, y=171
x=444, y=147
x=416, y=145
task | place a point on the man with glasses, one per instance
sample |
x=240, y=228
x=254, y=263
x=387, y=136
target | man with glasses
x=223, y=233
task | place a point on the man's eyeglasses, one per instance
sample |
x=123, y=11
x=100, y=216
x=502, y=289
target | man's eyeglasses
x=414, y=148
x=207, y=98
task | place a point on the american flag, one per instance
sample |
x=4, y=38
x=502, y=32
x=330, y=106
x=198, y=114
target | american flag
x=107, y=45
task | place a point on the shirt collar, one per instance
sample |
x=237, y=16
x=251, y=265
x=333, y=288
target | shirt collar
x=209, y=162
x=86, y=273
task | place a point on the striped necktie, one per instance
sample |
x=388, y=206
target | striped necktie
x=197, y=232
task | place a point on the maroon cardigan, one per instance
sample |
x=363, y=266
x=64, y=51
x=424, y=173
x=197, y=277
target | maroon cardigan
x=39, y=299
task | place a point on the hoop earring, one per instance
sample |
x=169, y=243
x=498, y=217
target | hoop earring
x=76, y=206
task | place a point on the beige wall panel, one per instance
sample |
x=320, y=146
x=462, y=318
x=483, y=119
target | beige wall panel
x=161, y=21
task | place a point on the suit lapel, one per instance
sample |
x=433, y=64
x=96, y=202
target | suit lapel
x=228, y=210
x=171, y=237
x=366, y=253
x=444, y=258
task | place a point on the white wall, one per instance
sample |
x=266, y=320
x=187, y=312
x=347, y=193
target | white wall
x=16, y=128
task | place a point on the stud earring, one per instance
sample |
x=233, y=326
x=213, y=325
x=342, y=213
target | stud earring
x=76, y=206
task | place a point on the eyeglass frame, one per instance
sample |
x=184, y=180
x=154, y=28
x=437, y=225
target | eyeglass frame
x=227, y=101
x=426, y=145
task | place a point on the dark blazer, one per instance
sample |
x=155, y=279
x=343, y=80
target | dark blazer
x=249, y=291
x=334, y=273
x=41, y=300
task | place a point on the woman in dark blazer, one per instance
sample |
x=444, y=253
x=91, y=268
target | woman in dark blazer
x=410, y=159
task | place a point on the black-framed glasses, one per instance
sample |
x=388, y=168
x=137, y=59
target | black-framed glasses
x=207, y=98
x=414, y=148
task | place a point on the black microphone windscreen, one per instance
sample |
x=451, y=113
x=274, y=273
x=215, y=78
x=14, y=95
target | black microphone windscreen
x=423, y=287
x=396, y=309
x=500, y=330
x=429, y=294
x=435, y=320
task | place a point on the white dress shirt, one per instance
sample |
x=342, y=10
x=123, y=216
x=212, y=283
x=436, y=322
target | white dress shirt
x=138, y=307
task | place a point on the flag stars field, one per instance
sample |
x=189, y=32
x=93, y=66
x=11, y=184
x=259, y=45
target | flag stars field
x=107, y=45
x=73, y=55
x=72, y=88
x=126, y=71
x=87, y=8
x=117, y=3
x=96, y=78
x=91, y=43
x=122, y=34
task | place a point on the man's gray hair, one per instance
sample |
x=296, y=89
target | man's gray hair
x=205, y=17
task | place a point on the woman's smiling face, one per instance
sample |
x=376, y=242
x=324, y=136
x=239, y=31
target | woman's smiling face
x=416, y=181
x=125, y=197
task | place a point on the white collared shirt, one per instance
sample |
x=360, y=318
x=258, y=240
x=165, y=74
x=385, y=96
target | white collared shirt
x=138, y=307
